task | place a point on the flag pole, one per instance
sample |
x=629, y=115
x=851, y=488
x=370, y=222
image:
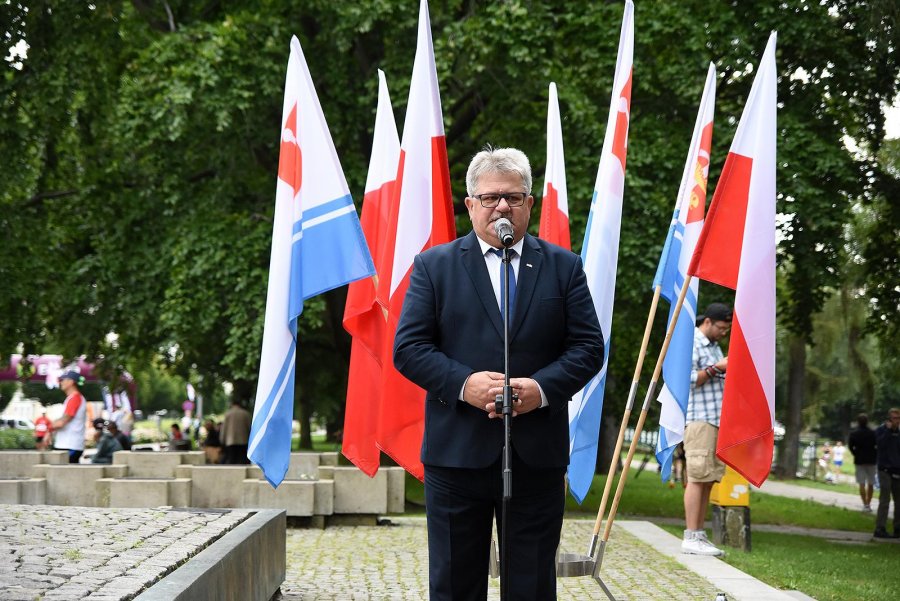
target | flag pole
x=632, y=393
x=651, y=390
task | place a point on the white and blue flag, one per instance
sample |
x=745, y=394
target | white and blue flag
x=687, y=221
x=317, y=245
x=600, y=254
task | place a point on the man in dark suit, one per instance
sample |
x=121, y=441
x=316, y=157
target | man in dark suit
x=450, y=342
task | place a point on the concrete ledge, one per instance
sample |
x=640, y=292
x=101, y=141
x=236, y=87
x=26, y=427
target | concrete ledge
x=355, y=492
x=247, y=564
x=296, y=497
x=19, y=464
x=738, y=585
x=217, y=485
x=145, y=492
x=23, y=491
x=74, y=485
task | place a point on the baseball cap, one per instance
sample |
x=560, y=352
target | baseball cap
x=71, y=375
x=716, y=312
x=99, y=423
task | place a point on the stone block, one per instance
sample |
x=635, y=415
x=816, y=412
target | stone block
x=328, y=458
x=731, y=526
x=142, y=464
x=254, y=473
x=103, y=486
x=217, y=485
x=355, y=492
x=55, y=457
x=33, y=491
x=180, y=492
x=39, y=470
x=184, y=471
x=326, y=472
x=115, y=471
x=304, y=466
x=9, y=491
x=73, y=485
x=193, y=457
x=18, y=464
x=139, y=492
x=396, y=489
x=324, y=497
x=296, y=497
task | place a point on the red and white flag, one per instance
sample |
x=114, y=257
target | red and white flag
x=743, y=209
x=421, y=217
x=555, y=203
x=364, y=319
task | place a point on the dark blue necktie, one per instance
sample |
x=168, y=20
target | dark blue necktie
x=512, y=282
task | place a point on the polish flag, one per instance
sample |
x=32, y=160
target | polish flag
x=555, y=204
x=364, y=319
x=743, y=208
x=421, y=217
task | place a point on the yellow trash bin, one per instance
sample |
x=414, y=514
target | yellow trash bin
x=732, y=491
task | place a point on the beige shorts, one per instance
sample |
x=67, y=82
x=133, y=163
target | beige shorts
x=700, y=453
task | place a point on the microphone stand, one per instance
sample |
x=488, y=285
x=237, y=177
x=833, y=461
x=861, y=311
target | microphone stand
x=505, y=401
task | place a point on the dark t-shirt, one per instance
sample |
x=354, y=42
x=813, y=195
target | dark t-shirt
x=888, y=442
x=862, y=445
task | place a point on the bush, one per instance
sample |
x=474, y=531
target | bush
x=16, y=439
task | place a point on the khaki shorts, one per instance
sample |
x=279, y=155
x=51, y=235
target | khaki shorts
x=700, y=453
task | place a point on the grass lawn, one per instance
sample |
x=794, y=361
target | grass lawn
x=826, y=570
x=646, y=496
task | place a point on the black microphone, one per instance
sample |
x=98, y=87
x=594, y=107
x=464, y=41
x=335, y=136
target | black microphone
x=504, y=230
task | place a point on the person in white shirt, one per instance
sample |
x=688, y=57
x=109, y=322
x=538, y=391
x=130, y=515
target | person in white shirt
x=70, y=428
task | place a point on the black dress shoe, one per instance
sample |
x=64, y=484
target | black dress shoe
x=881, y=533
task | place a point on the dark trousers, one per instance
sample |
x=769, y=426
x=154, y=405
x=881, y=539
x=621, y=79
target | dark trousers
x=236, y=454
x=890, y=488
x=460, y=505
x=74, y=456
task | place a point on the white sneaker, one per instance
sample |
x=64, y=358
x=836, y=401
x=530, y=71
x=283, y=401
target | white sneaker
x=698, y=544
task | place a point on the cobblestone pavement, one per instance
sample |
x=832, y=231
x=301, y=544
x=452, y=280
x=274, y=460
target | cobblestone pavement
x=52, y=553
x=349, y=563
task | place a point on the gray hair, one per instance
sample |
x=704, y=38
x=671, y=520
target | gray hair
x=498, y=160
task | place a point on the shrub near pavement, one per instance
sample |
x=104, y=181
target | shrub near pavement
x=16, y=439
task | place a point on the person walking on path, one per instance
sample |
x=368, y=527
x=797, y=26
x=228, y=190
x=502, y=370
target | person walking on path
x=71, y=427
x=702, y=426
x=862, y=444
x=235, y=433
x=43, y=429
x=887, y=440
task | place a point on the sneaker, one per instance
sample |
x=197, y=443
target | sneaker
x=698, y=544
x=867, y=509
x=880, y=533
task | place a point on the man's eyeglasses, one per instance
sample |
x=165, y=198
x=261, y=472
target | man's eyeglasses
x=492, y=199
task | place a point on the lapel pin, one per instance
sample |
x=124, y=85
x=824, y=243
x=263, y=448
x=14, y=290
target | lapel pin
x=527, y=264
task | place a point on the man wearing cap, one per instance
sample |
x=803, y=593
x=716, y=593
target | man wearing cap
x=702, y=425
x=70, y=427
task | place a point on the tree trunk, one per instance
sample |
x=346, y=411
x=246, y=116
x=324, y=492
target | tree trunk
x=609, y=433
x=796, y=397
x=305, y=422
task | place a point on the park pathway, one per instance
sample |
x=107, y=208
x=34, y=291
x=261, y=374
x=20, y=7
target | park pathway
x=390, y=562
x=825, y=497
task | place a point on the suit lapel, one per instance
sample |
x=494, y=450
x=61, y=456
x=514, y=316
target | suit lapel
x=473, y=261
x=529, y=271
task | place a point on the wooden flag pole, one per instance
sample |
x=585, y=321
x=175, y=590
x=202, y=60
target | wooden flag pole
x=614, y=463
x=651, y=390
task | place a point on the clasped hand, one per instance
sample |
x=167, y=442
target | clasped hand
x=483, y=387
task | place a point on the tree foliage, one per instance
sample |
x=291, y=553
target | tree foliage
x=140, y=148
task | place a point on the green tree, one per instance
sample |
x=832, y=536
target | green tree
x=141, y=140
